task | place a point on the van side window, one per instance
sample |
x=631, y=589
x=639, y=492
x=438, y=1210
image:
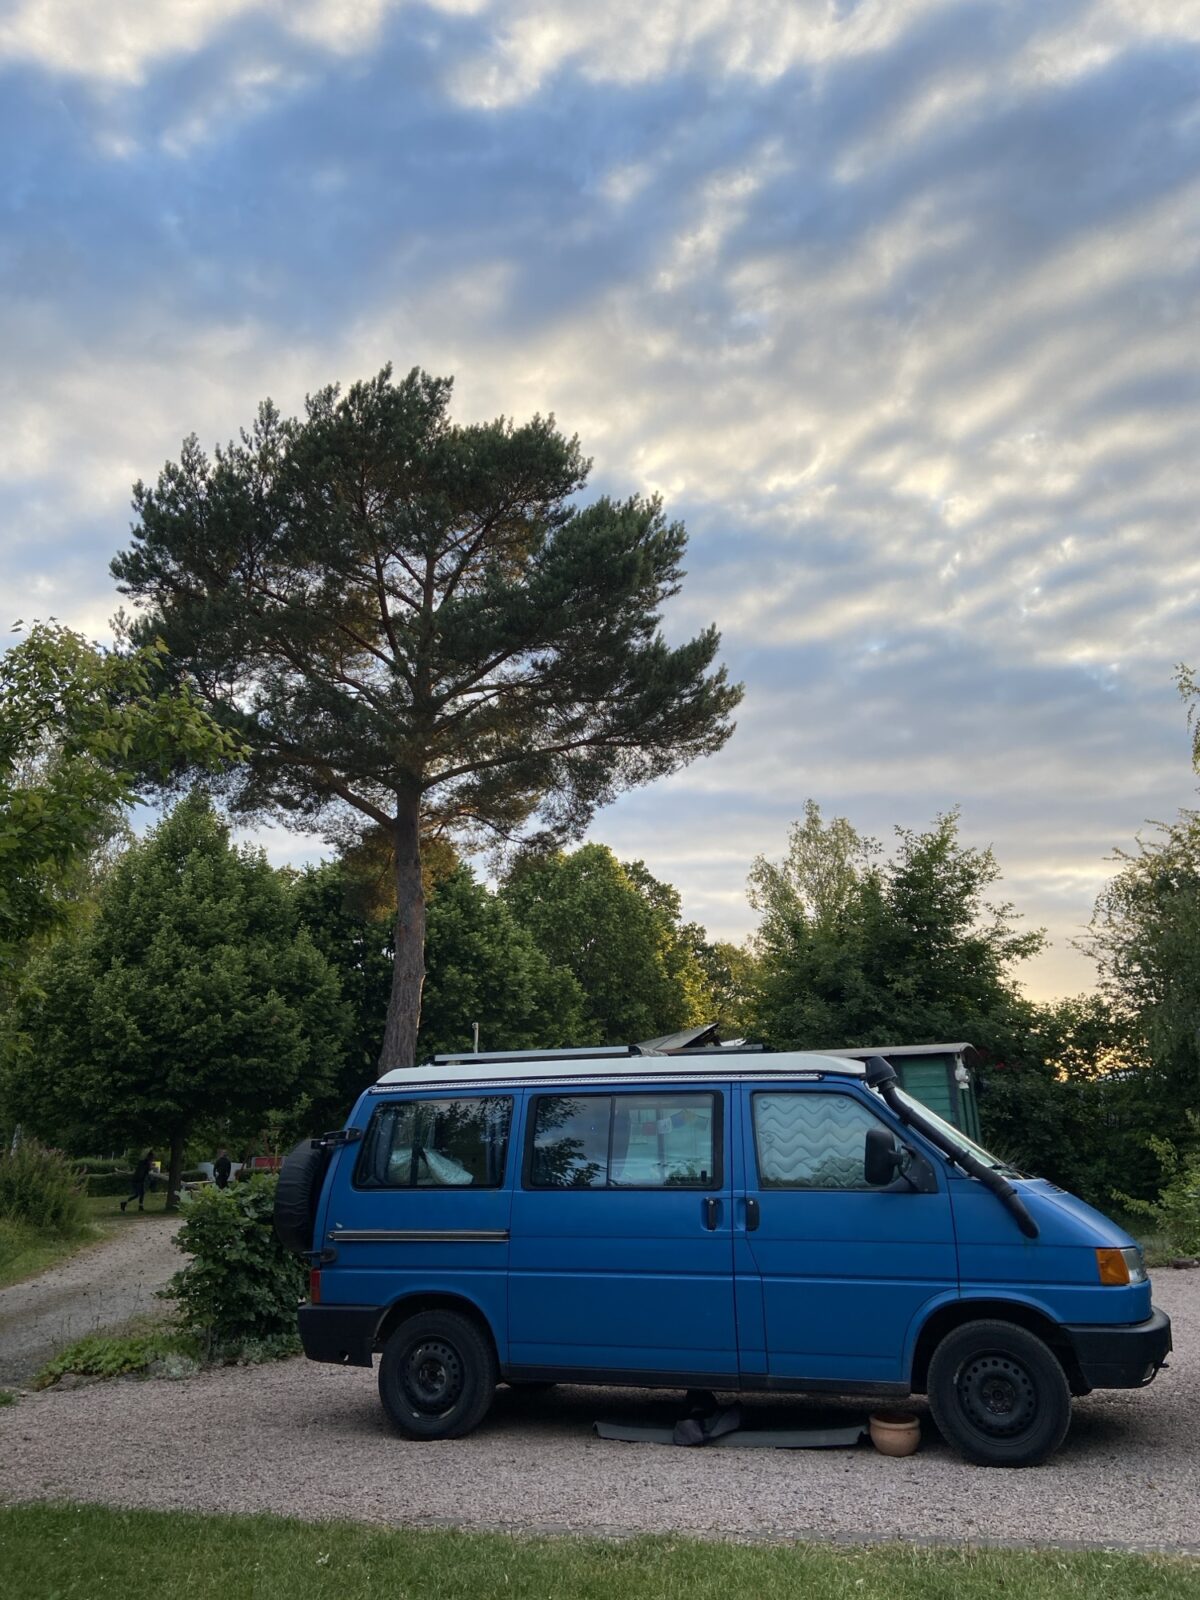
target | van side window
x=624, y=1141
x=436, y=1144
x=811, y=1140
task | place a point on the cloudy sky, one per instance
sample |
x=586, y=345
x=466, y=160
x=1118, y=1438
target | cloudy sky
x=894, y=301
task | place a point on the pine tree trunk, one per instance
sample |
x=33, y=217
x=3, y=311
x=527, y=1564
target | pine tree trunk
x=175, y=1171
x=408, y=970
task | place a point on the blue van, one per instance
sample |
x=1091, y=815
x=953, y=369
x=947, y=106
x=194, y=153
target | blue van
x=726, y=1220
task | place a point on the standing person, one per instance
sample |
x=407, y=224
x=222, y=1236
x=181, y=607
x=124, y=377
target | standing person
x=141, y=1176
x=222, y=1167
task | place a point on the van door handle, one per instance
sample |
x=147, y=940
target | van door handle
x=712, y=1210
x=752, y=1214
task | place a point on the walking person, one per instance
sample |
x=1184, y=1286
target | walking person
x=141, y=1177
x=222, y=1167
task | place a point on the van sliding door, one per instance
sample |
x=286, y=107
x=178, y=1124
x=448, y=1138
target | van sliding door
x=621, y=1257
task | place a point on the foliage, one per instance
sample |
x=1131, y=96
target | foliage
x=107, y=1184
x=612, y=927
x=75, y=1552
x=241, y=1287
x=486, y=966
x=7, y=1397
x=1176, y=1211
x=483, y=965
x=76, y=725
x=415, y=626
x=101, y=1355
x=191, y=989
x=1066, y=1095
x=1145, y=936
x=730, y=982
x=42, y=1187
x=859, y=951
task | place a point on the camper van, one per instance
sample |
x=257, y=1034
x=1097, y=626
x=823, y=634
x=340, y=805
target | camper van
x=791, y=1222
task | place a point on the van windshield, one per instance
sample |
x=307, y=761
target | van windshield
x=959, y=1137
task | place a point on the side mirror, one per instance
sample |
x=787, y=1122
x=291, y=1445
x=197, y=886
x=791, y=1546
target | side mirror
x=881, y=1158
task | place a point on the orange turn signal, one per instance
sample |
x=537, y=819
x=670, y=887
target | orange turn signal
x=1113, y=1266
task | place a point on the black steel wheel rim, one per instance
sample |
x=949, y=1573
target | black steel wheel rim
x=432, y=1377
x=997, y=1395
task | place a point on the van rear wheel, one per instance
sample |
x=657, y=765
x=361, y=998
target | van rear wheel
x=437, y=1376
x=999, y=1395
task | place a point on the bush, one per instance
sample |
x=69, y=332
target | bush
x=92, y=1166
x=41, y=1187
x=238, y=1294
x=110, y=1184
x=1176, y=1212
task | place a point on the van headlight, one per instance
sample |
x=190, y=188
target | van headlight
x=1121, y=1267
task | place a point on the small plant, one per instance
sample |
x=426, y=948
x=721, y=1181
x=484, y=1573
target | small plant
x=113, y=1355
x=42, y=1187
x=238, y=1294
x=1176, y=1212
x=7, y=1397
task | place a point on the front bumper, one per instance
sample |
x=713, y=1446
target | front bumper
x=344, y=1334
x=1121, y=1358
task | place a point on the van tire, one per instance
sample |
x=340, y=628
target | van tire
x=296, y=1195
x=437, y=1375
x=999, y=1395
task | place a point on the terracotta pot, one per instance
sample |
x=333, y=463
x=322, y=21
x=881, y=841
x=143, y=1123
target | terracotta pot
x=897, y=1435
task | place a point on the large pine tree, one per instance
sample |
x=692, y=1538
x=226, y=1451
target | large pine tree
x=417, y=626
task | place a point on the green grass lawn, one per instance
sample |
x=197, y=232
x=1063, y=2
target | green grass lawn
x=26, y=1250
x=78, y=1553
x=107, y=1207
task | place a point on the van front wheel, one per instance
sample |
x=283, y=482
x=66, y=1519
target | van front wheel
x=437, y=1376
x=999, y=1395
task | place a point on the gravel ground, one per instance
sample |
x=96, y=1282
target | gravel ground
x=102, y=1286
x=308, y=1440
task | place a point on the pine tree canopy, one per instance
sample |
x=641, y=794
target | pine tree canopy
x=417, y=624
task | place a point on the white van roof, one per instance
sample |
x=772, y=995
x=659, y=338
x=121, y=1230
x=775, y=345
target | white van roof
x=518, y=1067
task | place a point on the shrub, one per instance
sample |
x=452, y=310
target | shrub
x=1176, y=1212
x=92, y=1166
x=239, y=1292
x=109, y=1183
x=41, y=1187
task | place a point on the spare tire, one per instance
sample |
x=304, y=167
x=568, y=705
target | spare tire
x=297, y=1194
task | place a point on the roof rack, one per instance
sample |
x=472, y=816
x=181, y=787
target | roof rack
x=599, y=1052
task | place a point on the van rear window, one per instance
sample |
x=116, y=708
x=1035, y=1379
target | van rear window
x=624, y=1141
x=436, y=1144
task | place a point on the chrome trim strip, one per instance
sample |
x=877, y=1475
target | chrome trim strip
x=417, y=1235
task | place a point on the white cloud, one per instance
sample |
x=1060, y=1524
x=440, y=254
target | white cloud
x=897, y=309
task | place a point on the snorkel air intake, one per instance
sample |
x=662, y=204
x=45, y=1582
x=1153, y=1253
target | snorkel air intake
x=881, y=1076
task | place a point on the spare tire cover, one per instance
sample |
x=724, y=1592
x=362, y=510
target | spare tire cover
x=297, y=1193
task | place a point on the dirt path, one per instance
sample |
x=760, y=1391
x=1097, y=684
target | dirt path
x=311, y=1441
x=103, y=1286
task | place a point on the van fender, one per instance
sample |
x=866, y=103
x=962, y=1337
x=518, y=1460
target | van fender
x=948, y=1310
x=448, y=1294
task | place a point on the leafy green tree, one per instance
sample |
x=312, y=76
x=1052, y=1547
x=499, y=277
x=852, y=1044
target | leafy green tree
x=190, y=994
x=1064, y=1094
x=611, y=927
x=483, y=966
x=76, y=725
x=730, y=979
x=908, y=950
x=1145, y=936
x=416, y=626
